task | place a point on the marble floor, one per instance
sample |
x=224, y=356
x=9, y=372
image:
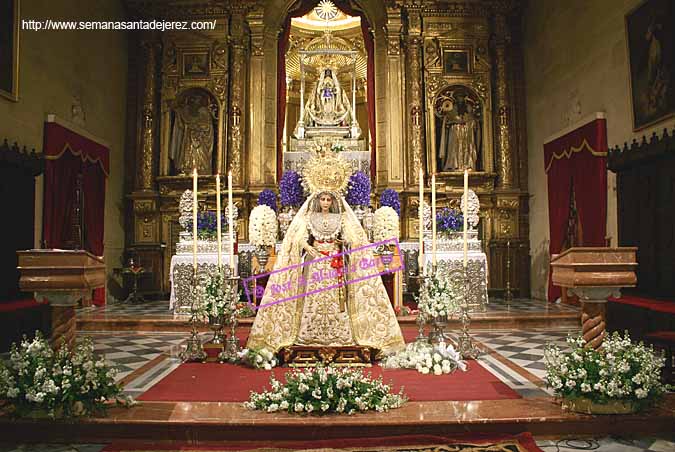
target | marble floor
x=514, y=355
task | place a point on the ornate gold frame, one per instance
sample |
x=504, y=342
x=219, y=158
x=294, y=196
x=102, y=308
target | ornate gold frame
x=13, y=95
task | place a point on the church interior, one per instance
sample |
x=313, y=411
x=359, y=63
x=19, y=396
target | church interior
x=337, y=225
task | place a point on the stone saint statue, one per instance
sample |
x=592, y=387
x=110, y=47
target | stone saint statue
x=329, y=104
x=459, y=137
x=192, y=135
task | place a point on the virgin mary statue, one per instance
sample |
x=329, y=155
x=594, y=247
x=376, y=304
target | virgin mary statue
x=315, y=296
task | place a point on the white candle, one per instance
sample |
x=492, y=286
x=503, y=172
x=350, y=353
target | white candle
x=218, y=222
x=420, y=256
x=230, y=218
x=465, y=211
x=194, y=220
x=433, y=219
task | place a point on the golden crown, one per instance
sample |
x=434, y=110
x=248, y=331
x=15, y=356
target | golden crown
x=326, y=171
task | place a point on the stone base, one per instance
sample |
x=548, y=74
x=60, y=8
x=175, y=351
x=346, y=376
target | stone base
x=63, y=327
x=307, y=356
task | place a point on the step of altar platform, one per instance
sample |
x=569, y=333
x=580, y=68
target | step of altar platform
x=169, y=323
x=203, y=421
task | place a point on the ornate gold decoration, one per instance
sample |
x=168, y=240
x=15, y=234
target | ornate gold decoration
x=327, y=171
x=144, y=206
x=394, y=45
x=219, y=55
x=480, y=84
x=236, y=127
x=503, y=133
x=416, y=122
x=148, y=117
x=219, y=87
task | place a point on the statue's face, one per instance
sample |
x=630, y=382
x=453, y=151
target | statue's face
x=325, y=201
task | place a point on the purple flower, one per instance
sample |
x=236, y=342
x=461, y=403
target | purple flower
x=448, y=220
x=358, y=193
x=268, y=198
x=290, y=189
x=389, y=197
x=207, y=225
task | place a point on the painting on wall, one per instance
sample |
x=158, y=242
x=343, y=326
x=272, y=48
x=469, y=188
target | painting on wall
x=195, y=64
x=650, y=34
x=9, y=49
x=455, y=61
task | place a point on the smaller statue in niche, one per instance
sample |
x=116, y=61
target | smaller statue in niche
x=192, y=136
x=458, y=130
x=329, y=105
x=432, y=53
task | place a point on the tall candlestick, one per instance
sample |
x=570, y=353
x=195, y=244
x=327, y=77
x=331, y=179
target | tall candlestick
x=420, y=256
x=230, y=218
x=219, y=222
x=433, y=220
x=465, y=212
x=194, y=220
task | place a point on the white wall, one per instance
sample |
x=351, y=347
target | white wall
x=576, y=63
x=55, y=66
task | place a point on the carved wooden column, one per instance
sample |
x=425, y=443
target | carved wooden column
x=145, y=167
x=504, y=157
x=237, y=90
x=257, y=93
x=415, y=108
x=395, y=101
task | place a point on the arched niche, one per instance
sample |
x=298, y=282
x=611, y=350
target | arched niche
x=193, y=136
x=459, y=129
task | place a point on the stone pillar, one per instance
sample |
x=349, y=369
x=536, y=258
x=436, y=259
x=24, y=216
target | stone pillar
x=237, y=89
x=504, y=157
x=145, y=167
x=395, y=100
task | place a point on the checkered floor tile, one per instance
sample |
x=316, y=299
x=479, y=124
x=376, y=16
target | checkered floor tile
x=128, y=352
x=524, y=348
x=153, y=308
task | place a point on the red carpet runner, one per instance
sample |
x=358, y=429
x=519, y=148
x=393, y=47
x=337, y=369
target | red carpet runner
x=214, y=382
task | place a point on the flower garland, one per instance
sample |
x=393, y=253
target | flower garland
x=449, y=220
x=620, y=370
x=63, y=383
x=442, y=298
x=262, y=226
x=337, y=147
x=261, y=358
x=268, y=198
x=290, y=189
x=426, y=359
x=385, y=224
x=323, y=390
x=389, y=197
x=358, y=193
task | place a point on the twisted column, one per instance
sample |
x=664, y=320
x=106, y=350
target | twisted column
x=593, y=307
x=148, y=118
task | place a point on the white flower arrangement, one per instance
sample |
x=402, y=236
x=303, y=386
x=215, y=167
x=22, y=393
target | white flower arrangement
x=440, y=298
x=63, y=383
x=258, y=358
x=213, y=298
x=385, y=224
x=619, y=371
x=262, y=226
x=427, y=359
x=323, y=390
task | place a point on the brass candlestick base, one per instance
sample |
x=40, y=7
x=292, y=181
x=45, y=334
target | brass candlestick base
x=231, y=291
x=465, y=345
x=194, y=350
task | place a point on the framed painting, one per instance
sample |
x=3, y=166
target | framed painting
x=195, y=64
x=651, y=48
x=456, y=62
x=9, y=49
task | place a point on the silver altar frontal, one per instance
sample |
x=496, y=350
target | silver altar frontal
x=181, y=270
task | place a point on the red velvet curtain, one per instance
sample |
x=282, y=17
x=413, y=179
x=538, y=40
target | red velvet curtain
x=299, y=9
x=68, y=154
x=577, y=160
